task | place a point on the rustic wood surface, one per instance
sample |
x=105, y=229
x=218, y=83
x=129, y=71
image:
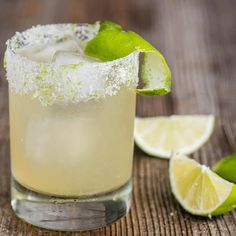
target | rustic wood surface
x=198, y=38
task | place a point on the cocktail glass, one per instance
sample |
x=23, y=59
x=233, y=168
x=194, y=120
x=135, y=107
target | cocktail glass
x=71, y=129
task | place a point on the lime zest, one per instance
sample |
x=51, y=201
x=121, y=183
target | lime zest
x=111, y=43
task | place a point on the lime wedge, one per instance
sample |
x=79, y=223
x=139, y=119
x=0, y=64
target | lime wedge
x=111, y=42
x=160, y=136
x=226, y=168
x=199, y=190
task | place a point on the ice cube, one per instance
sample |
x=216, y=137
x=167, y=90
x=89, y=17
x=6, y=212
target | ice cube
x=65, y=57
x=48, y=53
x=29, y=50
x=45, y=53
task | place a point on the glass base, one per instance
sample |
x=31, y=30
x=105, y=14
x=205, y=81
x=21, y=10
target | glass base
x=70, y=214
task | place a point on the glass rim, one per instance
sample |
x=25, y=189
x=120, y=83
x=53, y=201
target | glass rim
x=46, y=80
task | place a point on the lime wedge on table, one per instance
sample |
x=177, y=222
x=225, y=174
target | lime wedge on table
x=111, y=43
x=160, y=136
x=226, y=168
x=198, y=189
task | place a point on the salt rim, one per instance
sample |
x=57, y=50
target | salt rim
x=52, y=83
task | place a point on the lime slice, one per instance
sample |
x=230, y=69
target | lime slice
x=226, y=168
x=199, y=190
x=111, y=42
x=160, y=136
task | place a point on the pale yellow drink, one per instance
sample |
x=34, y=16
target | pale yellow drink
x=72, y=149
x=72, y=130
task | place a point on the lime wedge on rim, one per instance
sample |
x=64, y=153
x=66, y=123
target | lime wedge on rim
x=198, y=189
x=226, y=168
x=112, y=42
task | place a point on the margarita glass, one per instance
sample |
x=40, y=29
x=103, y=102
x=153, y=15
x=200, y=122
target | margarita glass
x=71, y=129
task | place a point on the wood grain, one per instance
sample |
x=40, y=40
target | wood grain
x=198, y=38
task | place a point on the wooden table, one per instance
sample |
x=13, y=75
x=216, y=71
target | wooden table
x=198, y=39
